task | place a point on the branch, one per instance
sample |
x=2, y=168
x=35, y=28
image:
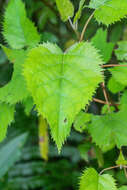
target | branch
x=110, y=168
x=105, y=95
x=113, y=65
x=85, y=26
x=103, y=102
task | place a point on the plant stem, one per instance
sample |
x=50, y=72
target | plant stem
x=113, y=65
x=85, y=26
x=73, y=27
x=110, y=168
x=105, y=95
x=103, y=102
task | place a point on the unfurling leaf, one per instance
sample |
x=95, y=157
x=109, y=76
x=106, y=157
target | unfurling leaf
x=43, y=138
x=19, y=31
x=57, y=93
x=65, y=8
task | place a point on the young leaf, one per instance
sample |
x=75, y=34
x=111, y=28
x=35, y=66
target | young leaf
x=121, y=51
x=43, y=138
x=91, y=180
x=100, y=42
x=78, y=14
x=19, y=31
x=10, y=153
x=15, y=91
x=121, y=160
x=6, y=117
x=109, y=11
x=65, y=8
x=58, y=94
x=114, y=127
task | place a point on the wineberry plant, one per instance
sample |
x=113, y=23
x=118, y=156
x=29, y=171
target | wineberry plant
x=61, y=84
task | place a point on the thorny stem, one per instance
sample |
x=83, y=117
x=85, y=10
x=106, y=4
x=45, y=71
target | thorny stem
x=85, y=26
x=105, y=95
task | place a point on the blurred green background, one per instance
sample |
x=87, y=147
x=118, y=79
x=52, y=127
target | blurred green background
x=25, y=169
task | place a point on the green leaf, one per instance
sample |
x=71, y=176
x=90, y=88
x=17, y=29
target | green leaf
x=121, y=51
x=81, y=120
x=91, y=180
x=110, y=11
x=114, y=86
x=79, y=12
x=28, y=105
x=114, y=127
x=19, y=31
x=6, y=117
x=121, y=160
x=10, y=153
x=106, y=182
x=15, y=91
x=105, y=109
x=65, y=8
x=95, y=4
x=100, y=42
x=119, y=78
x=123, y=188
x=58, y=94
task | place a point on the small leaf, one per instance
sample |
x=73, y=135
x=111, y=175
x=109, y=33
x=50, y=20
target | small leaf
x=121, y=51
x=6, y=117
x=43, y=138
x=65, y=8
x=10, y=153
x=81, y=120
x=78, y=14
x=57, y=93
x=100, y=42
x=19, y=31
x=121, y=160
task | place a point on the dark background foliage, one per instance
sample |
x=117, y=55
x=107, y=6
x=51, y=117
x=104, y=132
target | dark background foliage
x=61, y=172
